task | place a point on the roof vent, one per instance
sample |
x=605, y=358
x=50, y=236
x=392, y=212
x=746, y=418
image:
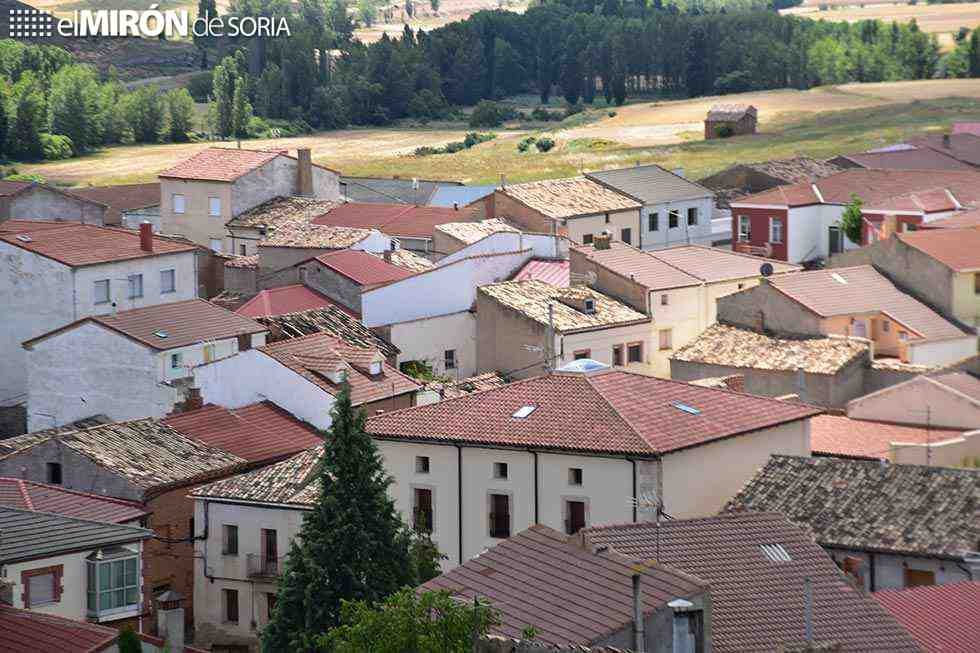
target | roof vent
x=775, y=552
x=839, y=279
x=161, y=334
x=589, y=306
x=523, y=412
x=691, y=410
x=24, y=238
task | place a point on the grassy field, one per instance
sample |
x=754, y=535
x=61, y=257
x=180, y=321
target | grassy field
x=819, y=122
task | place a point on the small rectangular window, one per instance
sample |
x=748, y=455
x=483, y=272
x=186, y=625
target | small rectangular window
x=976, y=283
x=653, y=221
x=664, y=300
x=744, y=228
x=775, y=230
x=665, y=339
x=41, y=589
x=574, y=475
x=176, y=360
x=178, y=203
x=422, y=464
x=500, y=470
x=627, y=236
x=919, y=577
x=673, y=218
x=450, y=359
x=216, y=245
x=54, y=473
x=634, y=352
x=582, y=353
x=230, y=543
x=587, y=239
x=135, y=286
x=607, y=218
x=692, y=216
x=617, y=355
x=886, y=326
x=242, y=250
x=231, y=606
x=102, y=291
x=214, y=206
x=168, y=281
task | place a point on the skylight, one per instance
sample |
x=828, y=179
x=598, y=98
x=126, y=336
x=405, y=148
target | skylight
x=691, y=410
x=775, y=552
x=161, y=334
x=524, y=411
x=24, y=239
x=838, y=278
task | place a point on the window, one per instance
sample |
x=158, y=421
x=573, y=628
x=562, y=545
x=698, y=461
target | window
x=499, y=515
x=421, y=464
x=589, y=306
x=270, y=552
x=178, y=203
x=574, y=516
x=665, y=339
x=607, y=218
x=270, y=605
x=587, y=239
x=41, y=586
x=627, y=235
x=54, y=473
x=422, y=511
x=692, y=216
x=135, y=286
x=617, y=355
x=775, y=230
x=574, y=475
x=673, y=218
x=242, y=249
x=176, y=360
x=450, y=358
x=229, y=544
x=214, y=206
x=744, y=228
x=102, y=291
x=653, y=221
x=582, y=353
x=664, y=300
x=634, y=352
x=231, y=605
x=168, y=281
x=886, y=326
x=113, y=584
x=919, y=577
x=500, y=470
x=976, y=283
x=903, y=335
x=208, y=353
x=216, y=245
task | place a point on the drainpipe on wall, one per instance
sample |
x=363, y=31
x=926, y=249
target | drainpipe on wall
x=536, y=518
x=459, y=500
x=638, y=638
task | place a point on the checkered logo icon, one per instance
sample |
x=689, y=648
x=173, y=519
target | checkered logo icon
x=26, y=23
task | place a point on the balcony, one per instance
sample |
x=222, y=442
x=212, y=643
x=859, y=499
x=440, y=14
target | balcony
x=499, y=524
x=259, y=566
x=746, y=248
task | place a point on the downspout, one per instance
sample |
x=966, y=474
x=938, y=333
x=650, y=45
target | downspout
x=536, y=519
x=74, y=296
x=633, y=461
x=871, y=571
x=459, y=499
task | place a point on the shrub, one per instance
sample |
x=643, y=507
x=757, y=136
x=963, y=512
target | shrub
x=526, y=143
x=199, y=86
x=475, y=138
x=56, y=146
x=425, y=150
x=725, y=131
x=544, y=144
x=486, y=114
x=572, y=109
x=543, y=115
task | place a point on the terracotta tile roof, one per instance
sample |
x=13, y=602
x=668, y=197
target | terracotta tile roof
x=650, y=184
x=726, y=112
x=220, y=164
x=870, y=505
x=959, y=220
x=568, y=198
x=332, y=320
x=281, y=211
x=962, y=382
x=897, y=365
x=285, y=299
x=27, y=439
x=836, y=435
x=913, y=159
x=171, y=325
x=463, y=387
x=964, y=146
x=258, y=432
x=555, y=273
x=957, y=249
x=724, y=345
x=289, y=482
x=930, y=200
x=757, y=602
x=403, y=220
x=27, y=226
x=244, y=262
x=312, y=356
x=312, y=236
x=78, y=245
x=942, y=618
x=532, y=297
x=610, y=411
x=122, y=197
x=362, y=268
x=471, y=232
x=42, y=497
x=542, y=578
x=642, y=267
x=408, y=260
x=13, y=187
x=966, y=128
x=796, y=169
x=862, y=290
x=146, y=452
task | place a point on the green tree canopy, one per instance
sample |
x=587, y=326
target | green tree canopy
x=74, y=107
x=851, y=221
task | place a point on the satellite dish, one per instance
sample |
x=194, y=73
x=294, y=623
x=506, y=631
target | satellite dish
x=765, y=269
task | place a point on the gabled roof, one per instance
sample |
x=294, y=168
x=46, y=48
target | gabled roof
x=407, y=260
x=551, y=271
x=959, y=381
x=460, y=195
x=790, y=171
x=963, y=145
x=282, y=300
x=911, y=159
x=257, y=432
x=224, y=164
x=122, y=197
x=289, y=482
x=29, y=535
x=959, y=220
x=332, y=320
x=650, y=184
x=12, y=188
x=43, y=497
x=387, y=191
x=871, y=505
x=310, y=356
x=942, y=618
x=362, y=268
x=639, y=266
x=726, y=112
x=568, y=198
x=837, y=435
x=604, y=412
x=957, y=249
x=169, y=326
x=463, y=387
x=408, y=221
x=471, y=232
x=77, y=245
x=305, y=235
x=859, y=290
x=756, y=564
x=542, y=578
x=280, y=211
x=27, y=439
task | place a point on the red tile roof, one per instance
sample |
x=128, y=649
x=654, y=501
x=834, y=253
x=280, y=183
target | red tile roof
x=554, y=272
x=258, y=432
x=220, y=164
x=837, y=435
x=393, y=219
x=957, y=249
x=610, y=411
x=77, y=245
x=42, y=497
x=27, y=226
x=942, y=618
x=757, y=601
x=181, y=323
x=286, y=299
x=13, y=187
x=645, y=269
x=963, y=145
x=542, y=578
x=310, y=356
x=959, y=220
x=910, y=159
x=122, y=197
x=363, y=268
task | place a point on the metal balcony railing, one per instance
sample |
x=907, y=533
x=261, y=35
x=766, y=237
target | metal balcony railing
x=259, y=566
x=422, y=520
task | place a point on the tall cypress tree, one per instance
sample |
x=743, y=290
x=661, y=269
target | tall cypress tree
x=352, y=545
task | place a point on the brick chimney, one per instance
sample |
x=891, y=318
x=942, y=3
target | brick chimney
x=193, y=400
x=304, y=172
x=146, y=237
x=601, y=241
x=387, y=255
x=170, y=620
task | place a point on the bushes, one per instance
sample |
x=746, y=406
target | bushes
x=526, y=143
x=56, y=146
x=486, y=114
x=544, y=144
x=199, y=86
x=543, y=115
x=471, y=139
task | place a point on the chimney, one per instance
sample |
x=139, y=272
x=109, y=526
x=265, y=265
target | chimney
x=638, y=638
x=602, y=241
x=304, y=172
x=946, y=141
x=889, y=226
x=170, y=620
x=146, y=236
x=193, y=400
x=455, y=206
x=387, y=255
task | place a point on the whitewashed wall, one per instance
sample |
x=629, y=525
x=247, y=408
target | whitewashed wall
x=429, y=338
x=184, y=265
x=699, y=234
x=940, y=352
x=542, y=246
